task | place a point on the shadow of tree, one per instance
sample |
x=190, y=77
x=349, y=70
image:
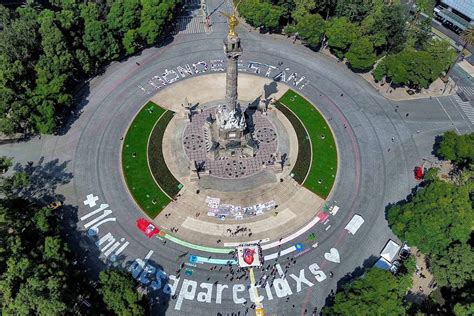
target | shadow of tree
x=348, y=277
x=45, y=177
x=91, y=260
x=154, y=283
x=269, y=89
x=436, y=145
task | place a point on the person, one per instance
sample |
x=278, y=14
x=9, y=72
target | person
x=331, y=275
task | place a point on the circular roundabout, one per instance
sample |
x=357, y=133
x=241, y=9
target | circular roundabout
x=159, y=198
x=266, y=184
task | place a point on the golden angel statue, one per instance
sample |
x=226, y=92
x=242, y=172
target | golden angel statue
x=232, y=21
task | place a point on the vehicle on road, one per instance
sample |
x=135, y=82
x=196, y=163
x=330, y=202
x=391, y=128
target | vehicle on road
x=147, y=227
x=392, y=256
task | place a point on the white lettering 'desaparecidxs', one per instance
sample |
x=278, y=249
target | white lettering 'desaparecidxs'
x=158, y=280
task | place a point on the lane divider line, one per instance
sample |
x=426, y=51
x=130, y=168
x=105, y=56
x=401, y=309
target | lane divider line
x=197, y=247
x=300, y=232
x=199, y=259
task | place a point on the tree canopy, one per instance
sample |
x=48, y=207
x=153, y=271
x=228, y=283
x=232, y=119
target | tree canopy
x=341, y=33
x=46, y=50
x=377, y=292
x=438, y=220
x=310, y=28
x=260, y=13
x=39, y=274
x=118, y=289
x=361, y=54
x=437, y=216
x=414, y=68
x=458, y=148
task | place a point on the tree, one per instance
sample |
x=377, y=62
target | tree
x=130, y=41
x=302, y=8
x=261, y=14
x=426, y=6
x=119, y=293
x=326, y=7
x=438, y=215
x=455, y=267
x=287, y=8
x=5, y=163
x=99, y=42
x=154, y=17
x=361, y=54
x=416, y=69
x=392, y=24
x=467, y=37
x=366, y=294
x=37, y=274
x=11, y=186
x=341, y=33
x=124, y=15
x=354, y=10
x=458, y=148
x=310, y=28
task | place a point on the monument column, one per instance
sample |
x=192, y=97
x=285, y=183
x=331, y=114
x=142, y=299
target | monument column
x=233, y=50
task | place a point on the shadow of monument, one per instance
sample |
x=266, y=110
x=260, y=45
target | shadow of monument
x=270, y=89
x=45, y=177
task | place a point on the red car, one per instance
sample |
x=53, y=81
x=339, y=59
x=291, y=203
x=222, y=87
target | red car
x=418, y=173
x=147, y=227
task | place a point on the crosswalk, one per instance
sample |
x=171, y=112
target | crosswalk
x=466, y=107
x=191, y=25
x=468, y=91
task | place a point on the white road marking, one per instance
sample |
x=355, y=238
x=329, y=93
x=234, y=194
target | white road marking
x=332, y=255
x=90, y=200
x=466, y=107
x=448, y=115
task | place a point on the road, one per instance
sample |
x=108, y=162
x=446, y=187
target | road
x=379, y=141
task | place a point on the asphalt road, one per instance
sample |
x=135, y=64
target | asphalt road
x=374, y=171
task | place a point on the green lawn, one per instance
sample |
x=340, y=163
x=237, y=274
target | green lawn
x=137, y=174
x=322, y=173
x=303, y=161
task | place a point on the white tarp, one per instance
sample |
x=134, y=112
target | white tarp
x=390, y=251
x=354, y=224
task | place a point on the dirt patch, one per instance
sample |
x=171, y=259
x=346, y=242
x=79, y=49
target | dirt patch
x=422, y=279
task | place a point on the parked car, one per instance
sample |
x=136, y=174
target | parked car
x=395, y=267
x=418, y=173
x=147, y=227
x=404, y=253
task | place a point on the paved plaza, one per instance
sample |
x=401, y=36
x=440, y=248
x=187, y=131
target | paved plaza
x=197, y=143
